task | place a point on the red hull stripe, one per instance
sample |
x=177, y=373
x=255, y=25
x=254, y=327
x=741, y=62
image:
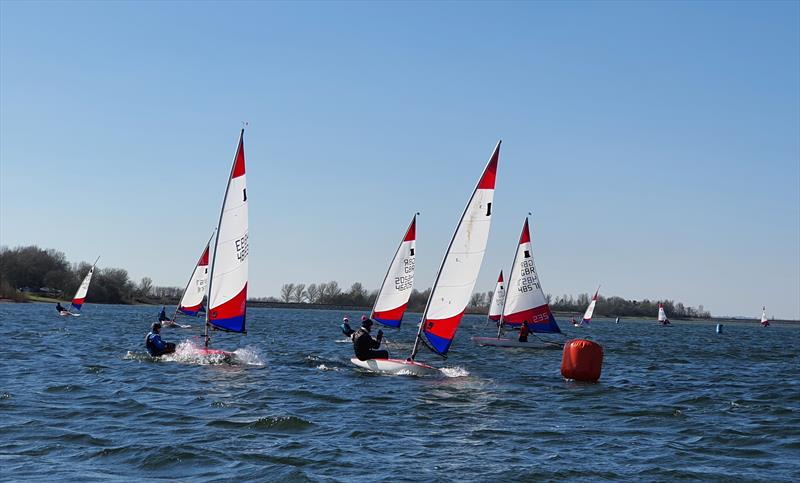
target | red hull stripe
x=490, y=173
x=238, y=169
x=234, y=307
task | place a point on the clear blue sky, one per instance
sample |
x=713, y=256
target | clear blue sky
x=657, y=144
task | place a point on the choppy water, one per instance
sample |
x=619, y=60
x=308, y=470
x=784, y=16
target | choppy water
x=79, y=399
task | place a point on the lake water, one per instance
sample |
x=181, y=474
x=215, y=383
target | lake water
x=80, y=400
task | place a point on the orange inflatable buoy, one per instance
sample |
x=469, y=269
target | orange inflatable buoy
x=582, y=360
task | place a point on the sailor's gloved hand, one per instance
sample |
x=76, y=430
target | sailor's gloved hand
x=380, y=334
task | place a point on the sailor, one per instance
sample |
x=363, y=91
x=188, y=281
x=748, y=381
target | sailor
x=524, y=330
x=162, y=316
x=346, y=329
x=155, y=346
x=60, y=308
x=364, y=345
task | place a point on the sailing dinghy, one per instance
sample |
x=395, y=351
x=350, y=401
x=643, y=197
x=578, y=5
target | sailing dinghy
x=764, y=320
x=191, y=303
x=587, y=316
x=454, y=281
x=524, y=302
x=496, y=304
x=662, y=316
x=80, y=294
x=227, y=283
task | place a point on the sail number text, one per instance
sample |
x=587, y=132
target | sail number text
x=528, y=280
x=242, y=248
x=405, y=282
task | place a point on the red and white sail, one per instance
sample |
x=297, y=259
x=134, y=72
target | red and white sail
x=227, y=291
x=525, y=300
x=192, y=301
x=80, y=294
x=764, y=320
x=662, y=316
x=498, y=298
x=392, y=300
x=461, y=264
x=587, y=316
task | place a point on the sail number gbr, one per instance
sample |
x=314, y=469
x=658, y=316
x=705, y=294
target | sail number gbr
x=528, y=281
x=242, y=248
x=406, y=281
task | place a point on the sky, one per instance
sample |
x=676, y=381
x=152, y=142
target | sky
x=657, y=145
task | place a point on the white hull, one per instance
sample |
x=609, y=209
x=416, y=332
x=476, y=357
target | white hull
x=67, y=313
x=396, y=366
x=531, y=344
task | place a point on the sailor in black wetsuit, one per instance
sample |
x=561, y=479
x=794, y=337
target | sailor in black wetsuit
x=60, y=308
x=364, y=345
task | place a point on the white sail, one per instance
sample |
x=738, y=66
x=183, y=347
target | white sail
x=460, y=266
x=228, y=282
x=587, y=316
x=392, y=300
x=764, y=320
x=192, y=300
x=662, y=316
x=525, y=300
x=498, y=298
x=80, y=294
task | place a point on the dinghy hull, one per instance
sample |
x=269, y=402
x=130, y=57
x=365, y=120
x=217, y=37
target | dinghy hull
x=500, y=342
x=396, y=366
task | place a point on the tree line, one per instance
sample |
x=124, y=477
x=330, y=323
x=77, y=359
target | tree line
x=39, y=271
x=33, y=269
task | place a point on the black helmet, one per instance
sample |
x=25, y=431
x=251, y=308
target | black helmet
x=366, y=323
x=155, y=326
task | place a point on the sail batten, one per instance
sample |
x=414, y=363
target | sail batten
x=227, y=285
x=460, y=266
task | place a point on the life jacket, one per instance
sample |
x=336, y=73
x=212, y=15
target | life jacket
x=524, y=331
x=148, y=343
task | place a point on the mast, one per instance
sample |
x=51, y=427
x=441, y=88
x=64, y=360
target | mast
x=378, y=297
x=447, y=253
x=216, y=240
x=175, y=315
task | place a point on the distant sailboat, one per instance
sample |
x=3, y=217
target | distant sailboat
x=524, y=302
x=587, y=316
x=392, y=299
x=764, y=320
x=454, y=281
x=662, y=316
x=227, y=284
x=191, y=303
x=498, y=298
x=80, y=294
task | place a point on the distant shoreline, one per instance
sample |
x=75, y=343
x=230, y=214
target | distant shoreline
x=357, y=309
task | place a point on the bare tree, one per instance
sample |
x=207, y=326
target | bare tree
x=145, y=287
x=286, y=292
x=300, y=293
x=312, y=292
